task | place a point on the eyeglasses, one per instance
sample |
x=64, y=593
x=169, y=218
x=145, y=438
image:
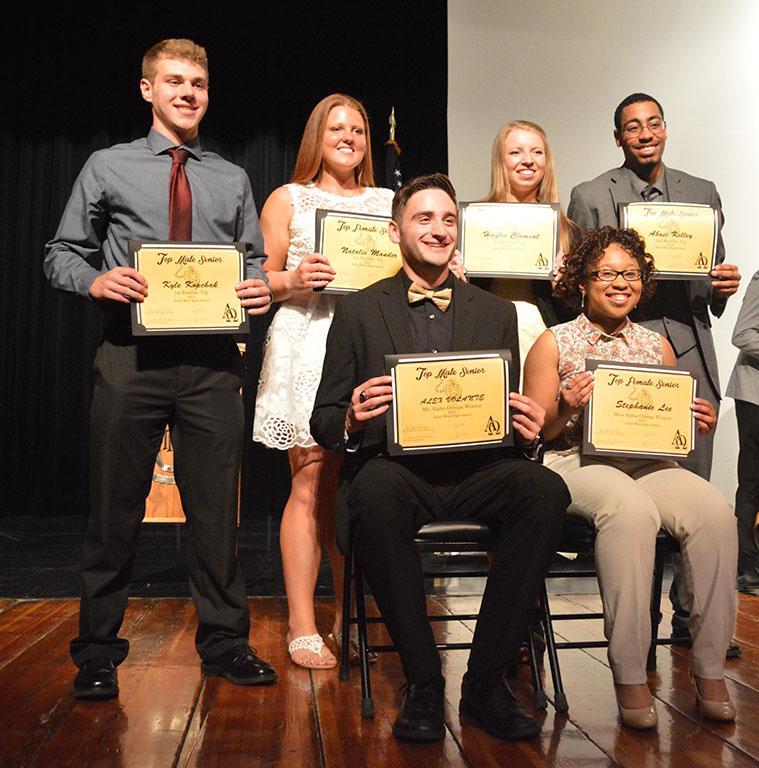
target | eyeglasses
x=655, y=125
x=610, y=275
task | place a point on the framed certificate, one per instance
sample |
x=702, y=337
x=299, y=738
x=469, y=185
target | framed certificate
x=448, y=402
x=191, y=288
x=509, y=239
x=357, y=246
x=682, y=237
x=641, y=411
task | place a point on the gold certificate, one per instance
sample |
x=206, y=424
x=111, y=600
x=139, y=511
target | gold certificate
x=191, y=288
x=358, y=247
x=509, y=239
x=448, y=402
x=681, y=237
x=642, y=411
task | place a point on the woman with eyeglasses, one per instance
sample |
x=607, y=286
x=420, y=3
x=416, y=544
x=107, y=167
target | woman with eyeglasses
x=629, y=500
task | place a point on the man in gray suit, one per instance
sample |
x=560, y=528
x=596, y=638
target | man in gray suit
x=679, y=310
x=744, y=387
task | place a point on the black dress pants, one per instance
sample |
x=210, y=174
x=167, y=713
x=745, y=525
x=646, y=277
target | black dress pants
x=389, y=500
x=747, y=495
x=192, y=383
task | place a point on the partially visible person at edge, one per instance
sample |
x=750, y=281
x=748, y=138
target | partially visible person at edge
x=628, y=499
x=333, y=170
x=744, y=387
x=141, y=384
x=679, y=310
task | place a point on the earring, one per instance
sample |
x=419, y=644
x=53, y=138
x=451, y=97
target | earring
x=582, y=303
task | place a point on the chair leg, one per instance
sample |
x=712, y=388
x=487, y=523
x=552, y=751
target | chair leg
x=345, y=631
x=559, y=697
x=367, y=705
x=655, y=607
x=539, y=698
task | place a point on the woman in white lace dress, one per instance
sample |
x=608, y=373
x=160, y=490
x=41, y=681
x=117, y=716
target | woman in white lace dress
x=333, y=170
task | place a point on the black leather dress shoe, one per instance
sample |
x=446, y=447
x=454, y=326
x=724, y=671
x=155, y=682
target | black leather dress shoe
x=749, y=581
x=240, y=666
x=421, y=716
x=96, y=680
x=681, y=638
x=495, y=709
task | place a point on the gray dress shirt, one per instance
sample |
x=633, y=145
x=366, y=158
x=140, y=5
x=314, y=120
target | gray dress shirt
x=122, y=194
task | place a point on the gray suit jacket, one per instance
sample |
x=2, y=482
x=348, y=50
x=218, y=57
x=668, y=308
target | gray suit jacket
x=595, y=203
x=744, y=382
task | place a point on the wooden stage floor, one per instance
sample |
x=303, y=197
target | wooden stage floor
x=169, y=715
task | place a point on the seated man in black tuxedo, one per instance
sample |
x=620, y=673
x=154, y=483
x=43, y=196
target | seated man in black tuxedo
x=386, y=499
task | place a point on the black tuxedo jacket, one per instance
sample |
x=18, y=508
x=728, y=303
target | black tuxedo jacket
x=374, y=322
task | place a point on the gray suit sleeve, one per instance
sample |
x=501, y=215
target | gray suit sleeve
x=580, y=212
x=717, y=305
x=746, y=332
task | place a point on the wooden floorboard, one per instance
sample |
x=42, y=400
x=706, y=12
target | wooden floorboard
x=168, y=714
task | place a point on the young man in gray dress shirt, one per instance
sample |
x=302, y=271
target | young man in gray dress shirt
x=679, y=309
x=141, y=384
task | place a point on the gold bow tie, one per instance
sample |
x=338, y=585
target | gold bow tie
x=441, y=299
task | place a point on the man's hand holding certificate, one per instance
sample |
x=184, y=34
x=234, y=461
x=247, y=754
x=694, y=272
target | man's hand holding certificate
x=681, y=237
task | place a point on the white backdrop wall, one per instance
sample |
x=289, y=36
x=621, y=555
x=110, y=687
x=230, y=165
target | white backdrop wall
x=566, y=64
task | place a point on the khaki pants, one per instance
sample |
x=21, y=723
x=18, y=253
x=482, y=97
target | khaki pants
x=628, y=500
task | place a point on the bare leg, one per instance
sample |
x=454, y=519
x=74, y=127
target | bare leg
x=307, y=525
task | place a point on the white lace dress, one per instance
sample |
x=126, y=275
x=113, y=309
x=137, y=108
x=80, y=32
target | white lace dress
x=295, y=343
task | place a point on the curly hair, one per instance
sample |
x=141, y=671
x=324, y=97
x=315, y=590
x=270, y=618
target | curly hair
x=586, y=254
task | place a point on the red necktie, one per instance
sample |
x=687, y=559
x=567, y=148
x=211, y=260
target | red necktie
x=180, y=198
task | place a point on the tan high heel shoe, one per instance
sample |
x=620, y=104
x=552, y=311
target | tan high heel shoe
x=719, y=711
x=638, y=718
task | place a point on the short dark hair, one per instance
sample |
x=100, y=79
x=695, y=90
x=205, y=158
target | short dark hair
x=586, y=254
x=633, y=98
x=433, y=181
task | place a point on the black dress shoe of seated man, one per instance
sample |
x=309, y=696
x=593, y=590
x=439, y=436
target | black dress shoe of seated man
x=96, y=680
x=422, y=714
x=495, y=709
x=240, y=666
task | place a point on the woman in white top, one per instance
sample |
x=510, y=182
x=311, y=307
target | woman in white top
x=333, y=170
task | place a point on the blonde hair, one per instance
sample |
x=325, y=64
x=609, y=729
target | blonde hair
x=500, y=189
x=308, y=164
x=173, y=48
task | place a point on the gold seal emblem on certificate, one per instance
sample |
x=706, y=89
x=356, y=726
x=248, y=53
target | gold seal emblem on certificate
x=681, y=237
x=509, y=239
x=641, y=411
x=357, y=246
x=448, y=402
x=191, y=288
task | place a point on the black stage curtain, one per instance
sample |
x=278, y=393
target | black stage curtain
x=73, y=76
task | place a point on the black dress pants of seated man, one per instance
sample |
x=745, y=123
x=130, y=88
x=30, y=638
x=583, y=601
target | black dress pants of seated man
x=390, y=499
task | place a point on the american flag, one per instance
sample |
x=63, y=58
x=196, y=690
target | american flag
x=393, y=175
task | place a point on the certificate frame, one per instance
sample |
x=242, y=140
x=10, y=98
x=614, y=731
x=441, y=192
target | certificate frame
x=448, y=393
x=371, y=243
x=540, y=222
x=663, y=237
x=181, y=263
x=635, y=380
